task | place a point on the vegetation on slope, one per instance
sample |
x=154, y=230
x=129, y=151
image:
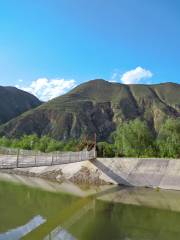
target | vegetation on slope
x=132, y=139
x=43, y=144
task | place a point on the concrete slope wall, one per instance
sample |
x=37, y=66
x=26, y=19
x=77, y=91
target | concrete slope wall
x=139, y=172
x=162, y=173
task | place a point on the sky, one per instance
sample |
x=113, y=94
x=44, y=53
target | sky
x=49, y=46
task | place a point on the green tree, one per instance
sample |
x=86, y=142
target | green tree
x=105, y=149
x=54, y=145
x=28, y=142
x=42, y=144
x=71, y=145
x=134, y=139
x=168, y=139
x=5, y=142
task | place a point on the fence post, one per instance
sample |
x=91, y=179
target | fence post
x=35, y=159
x=18, y=158
x=69, y=157
x=87, y=155
x=95, y=140
x=95, y=153
x=52, y=160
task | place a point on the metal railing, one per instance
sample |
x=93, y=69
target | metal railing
x=13, y=158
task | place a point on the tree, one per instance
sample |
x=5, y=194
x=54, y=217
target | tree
x=134, y=139
x=43, y=143
x=105, y=149
x=54, y=145
x=71, y=145
x=168, y=139
x=28, y=142
x=5, y=142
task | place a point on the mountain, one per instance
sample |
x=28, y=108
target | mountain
x=98, y=106
x=14, y=102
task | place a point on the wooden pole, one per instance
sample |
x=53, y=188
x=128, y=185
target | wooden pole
x=85, y=140
x=35, y=158
x=95, y=139
x=95, y=144
x=18, y=158
x=52, y=160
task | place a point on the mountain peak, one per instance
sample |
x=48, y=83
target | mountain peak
x=98, y=106
x=14, y=102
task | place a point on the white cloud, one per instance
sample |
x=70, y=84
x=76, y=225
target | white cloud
x=46, y=89
x=135, y=75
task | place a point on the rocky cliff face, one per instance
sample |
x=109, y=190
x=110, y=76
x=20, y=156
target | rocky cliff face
x=98, y=106
x=14, y=102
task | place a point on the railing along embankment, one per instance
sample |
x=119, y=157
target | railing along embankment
x=19, y=158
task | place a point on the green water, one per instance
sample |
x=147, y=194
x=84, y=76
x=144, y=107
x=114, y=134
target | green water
x=65, y=216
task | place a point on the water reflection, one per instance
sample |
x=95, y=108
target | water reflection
x=21, y=231
x=107, y=212
x=59, y=234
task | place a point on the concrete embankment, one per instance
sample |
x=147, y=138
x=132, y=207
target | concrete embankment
x=140, y=172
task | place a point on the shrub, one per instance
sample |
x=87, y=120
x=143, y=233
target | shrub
x=105, y=149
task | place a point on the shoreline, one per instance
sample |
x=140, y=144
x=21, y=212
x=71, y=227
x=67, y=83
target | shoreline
x=78, y=173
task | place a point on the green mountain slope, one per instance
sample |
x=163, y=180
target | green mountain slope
x=98, y=106
x=14, y=102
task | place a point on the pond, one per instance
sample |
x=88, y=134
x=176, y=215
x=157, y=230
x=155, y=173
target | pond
x=33, y=209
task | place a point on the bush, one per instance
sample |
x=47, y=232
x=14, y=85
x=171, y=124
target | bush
x=55, y=146
x=105, y=149
x=71, y=145
x=5, y=142
x=43, y=144
x=27, y=142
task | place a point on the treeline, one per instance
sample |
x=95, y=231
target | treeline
x=43, y=144
x=46, y=144
x=131, y=139
x=135, y=139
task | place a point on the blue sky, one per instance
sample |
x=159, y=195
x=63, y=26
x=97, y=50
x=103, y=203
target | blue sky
x=43, y=41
